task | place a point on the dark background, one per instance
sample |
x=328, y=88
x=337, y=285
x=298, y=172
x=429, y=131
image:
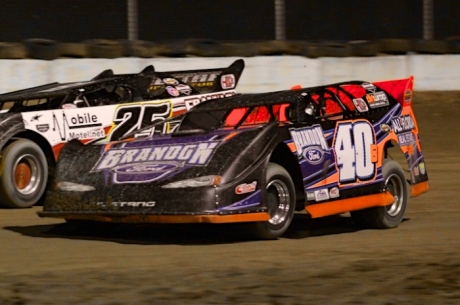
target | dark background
x=239, y=20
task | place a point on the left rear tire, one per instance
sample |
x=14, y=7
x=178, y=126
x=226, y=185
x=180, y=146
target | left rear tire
x=389, y=216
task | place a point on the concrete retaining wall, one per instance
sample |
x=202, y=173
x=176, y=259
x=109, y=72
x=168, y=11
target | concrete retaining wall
x=271, y=73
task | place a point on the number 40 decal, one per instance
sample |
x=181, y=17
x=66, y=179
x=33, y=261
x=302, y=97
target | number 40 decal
x=353, y=147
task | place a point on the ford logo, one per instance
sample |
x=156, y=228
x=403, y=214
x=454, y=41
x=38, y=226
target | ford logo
x=313, y=155
x=146, y=168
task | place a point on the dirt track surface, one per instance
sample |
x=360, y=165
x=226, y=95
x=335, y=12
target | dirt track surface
x=324, y=261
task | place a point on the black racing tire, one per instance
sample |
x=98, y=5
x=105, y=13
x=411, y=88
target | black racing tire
x=73, y=49
x=240, y=49
x=24, y=174
x=281, y=201
x=396, y=46
x=13, y=50
x=389, y=216
x=104, y=48
x=205, y=48
x=423, y=46
x=39, y=48
x=364, y=48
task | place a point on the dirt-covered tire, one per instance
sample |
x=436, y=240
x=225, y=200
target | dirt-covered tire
x=24, y=174
x=389, y=216
x=280, y=199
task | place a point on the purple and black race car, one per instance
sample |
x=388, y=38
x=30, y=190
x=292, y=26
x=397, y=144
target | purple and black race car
x=255, y=158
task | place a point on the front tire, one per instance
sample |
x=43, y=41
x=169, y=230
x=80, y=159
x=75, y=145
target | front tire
x=389, y=216
x=280, y=197
x=24, y=174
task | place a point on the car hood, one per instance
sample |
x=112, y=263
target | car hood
x=163, y=159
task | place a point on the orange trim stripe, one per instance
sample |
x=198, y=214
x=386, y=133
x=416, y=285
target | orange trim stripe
x=349, y=204
x=292, y=147
x=419, y=189
x=230, y=135
x=138, y=218
x=331, y=179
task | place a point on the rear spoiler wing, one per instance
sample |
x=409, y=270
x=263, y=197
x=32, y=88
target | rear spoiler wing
x=204, y=80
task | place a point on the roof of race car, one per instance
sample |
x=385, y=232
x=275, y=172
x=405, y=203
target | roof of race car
x=266, y=98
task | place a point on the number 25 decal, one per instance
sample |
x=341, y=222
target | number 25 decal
x=352, y=147
x=133, y=117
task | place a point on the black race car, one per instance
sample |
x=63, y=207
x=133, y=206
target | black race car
x=256, y=158
x=35, y=123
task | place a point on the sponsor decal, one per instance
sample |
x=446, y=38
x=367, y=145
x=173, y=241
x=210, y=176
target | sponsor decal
x=422, y=168
x=334, y=192
x=227, y=81
x=90, y=134
x=184, y=89
x=313, y=155
x=377, y=99
x=143, y=172
x=200, y=79
x=307, y=138
x=416, y=170
x=246, y=188
x=148, y=164
x=321, y=195
x=360, y=105
x=193, y=101
x=35, y=117
x=408, y=96
x=170, y=81
x=69, y=106
x=385, y=127
x=145, y=168
x=135, y=204
x=190, y=154
x=43, y=127
x=172, y=91
x=402, y=123
x=406, y=138
x=311, y=196
x=369, y=87
x=76, y=121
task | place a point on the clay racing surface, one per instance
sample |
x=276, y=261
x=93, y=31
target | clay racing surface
x=324, y=261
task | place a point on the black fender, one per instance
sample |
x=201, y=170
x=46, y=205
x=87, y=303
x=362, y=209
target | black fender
x=10, y=125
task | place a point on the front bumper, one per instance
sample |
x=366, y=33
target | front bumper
x=126, y=217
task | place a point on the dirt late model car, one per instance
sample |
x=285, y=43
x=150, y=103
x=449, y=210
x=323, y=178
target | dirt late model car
x=256, y=158
x=35, y=123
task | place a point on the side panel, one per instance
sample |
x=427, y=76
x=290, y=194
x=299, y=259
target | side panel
x=94, y=123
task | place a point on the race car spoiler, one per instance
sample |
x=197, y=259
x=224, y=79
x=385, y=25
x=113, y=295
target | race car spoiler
x=202, y=80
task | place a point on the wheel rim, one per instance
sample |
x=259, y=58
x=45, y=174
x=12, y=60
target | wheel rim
x=278, y=201
x=395, y=185
x=26, y=174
